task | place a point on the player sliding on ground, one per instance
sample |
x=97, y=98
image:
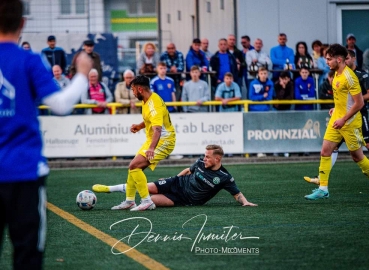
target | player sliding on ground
x=193, y=186
x=345, y=122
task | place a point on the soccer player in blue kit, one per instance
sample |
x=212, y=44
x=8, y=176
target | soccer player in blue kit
x=24, y=81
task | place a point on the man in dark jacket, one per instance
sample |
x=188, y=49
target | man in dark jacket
x=88, y=47
x=240, y=58
x=222, y=62
x=351, y=45
x=55, y=55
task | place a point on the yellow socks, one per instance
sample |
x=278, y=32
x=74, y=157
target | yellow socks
x=140, y=182
x=364, y=166
x=130, y=188
x=324, y=170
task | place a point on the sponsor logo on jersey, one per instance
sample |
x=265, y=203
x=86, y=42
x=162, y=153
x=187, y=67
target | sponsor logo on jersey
x=216, y=180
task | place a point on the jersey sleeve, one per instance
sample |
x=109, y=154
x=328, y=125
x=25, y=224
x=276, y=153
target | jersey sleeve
x=157, y=115
x=193, y=166
x=353, y=85
x=231, y=187
x=42, y=81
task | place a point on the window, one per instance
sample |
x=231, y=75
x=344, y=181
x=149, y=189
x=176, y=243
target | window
x=73, y=7
x=221, y=4
x=80, y=7
x=141, y=7
x=148, y=6
x=65, y=7
x=208, y=7
x=168, y=18
x=179, y=15
x=26, y=8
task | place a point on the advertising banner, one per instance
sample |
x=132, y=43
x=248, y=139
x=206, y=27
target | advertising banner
x=109, y=135
x=291, y=131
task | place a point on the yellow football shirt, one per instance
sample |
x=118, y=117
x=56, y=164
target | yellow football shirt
x=155, y=113
x=344, y=87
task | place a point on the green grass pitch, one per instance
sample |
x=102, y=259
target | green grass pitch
x=293, y=233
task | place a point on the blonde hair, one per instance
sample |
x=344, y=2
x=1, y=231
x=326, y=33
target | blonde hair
x=148, y=44
x=217, y=149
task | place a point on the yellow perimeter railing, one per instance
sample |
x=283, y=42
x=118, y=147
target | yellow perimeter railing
x=244, y=103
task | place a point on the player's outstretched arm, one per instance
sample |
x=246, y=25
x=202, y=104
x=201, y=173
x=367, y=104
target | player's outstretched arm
x=62, y=102
x=184, y=172
x=242, y=200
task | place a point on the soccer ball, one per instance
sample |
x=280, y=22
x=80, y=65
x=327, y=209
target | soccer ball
x=86, y=200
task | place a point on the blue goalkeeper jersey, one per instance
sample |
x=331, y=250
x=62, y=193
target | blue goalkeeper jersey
x=24, y=81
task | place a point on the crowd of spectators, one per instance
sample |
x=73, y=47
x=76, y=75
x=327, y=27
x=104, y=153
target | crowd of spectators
x=236, y=74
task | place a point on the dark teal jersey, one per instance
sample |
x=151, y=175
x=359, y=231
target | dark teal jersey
x=203, y=184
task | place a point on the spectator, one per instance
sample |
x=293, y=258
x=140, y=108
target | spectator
x=55, y=55
x=351, y=45
x=26, y=46
x=316, y=46
x=261, y=89
x=255, y=59
x=240, y=58
x=173, y=59
x=322, y=64
x=302, y=56
x=98, y=93
x=226, y=92
x=281, y=55
x=283, y=91
x=59, y=77
x=304, y=89
x=246, y=47
x=148, y=59
x=175, y=63
x=222, y=62
x=195, y=90
x=366, y=60
x=164, y=86
x=124, y=94
x=326, y=92
x=196, y=57
x=88, y=47
x=204, y=48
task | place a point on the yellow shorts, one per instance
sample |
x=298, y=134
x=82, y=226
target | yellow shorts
x=353, y=136
x=162, y=150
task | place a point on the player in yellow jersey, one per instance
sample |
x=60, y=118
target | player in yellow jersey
x=160, y=142
x=345, y=121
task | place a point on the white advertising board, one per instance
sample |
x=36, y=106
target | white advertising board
x=109, y=135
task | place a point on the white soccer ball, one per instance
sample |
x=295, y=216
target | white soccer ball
x=86, y=200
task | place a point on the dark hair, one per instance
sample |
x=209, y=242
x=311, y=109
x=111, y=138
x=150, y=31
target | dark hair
x=194, y=67
x=337, y=50
x=351, y=53
x=162, y=64
x=222, y=39
x=246, y=37
x=285, y=74
x=297, y=55
x=141, y=80
x=25, y=43
x=11, y=16
x=228, y=74
x=316, y=42
x=282, y=35
x=262, y=68
x=305, y=67
x=217, y=149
